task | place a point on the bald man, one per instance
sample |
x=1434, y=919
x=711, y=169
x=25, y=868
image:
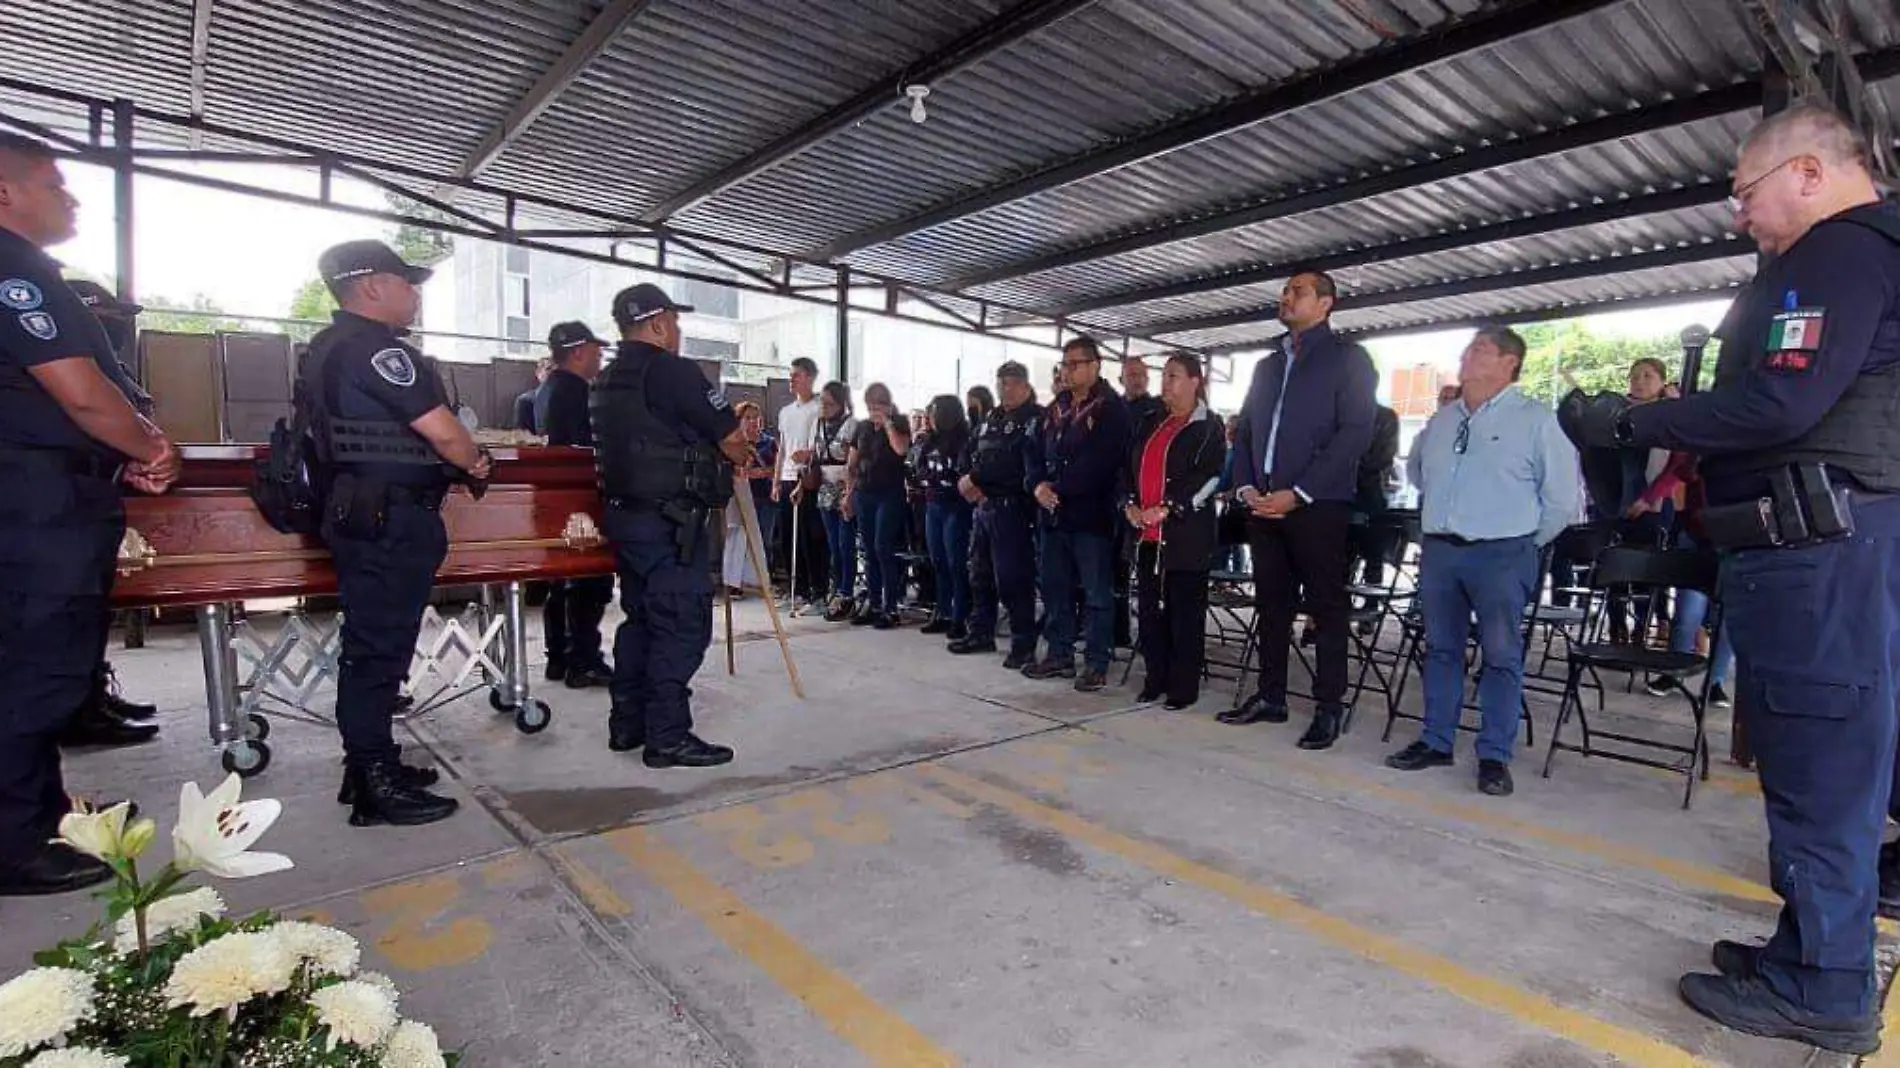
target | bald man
x=1801, y=463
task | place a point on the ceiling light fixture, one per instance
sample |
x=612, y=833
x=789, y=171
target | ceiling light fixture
x=917, y=93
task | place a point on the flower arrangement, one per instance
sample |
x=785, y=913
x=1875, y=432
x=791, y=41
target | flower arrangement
x=169, y=981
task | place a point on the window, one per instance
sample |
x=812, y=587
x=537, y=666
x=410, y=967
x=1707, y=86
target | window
x=709, y=349
x=515, y=290
x=515, y=260
x=705, y=298
x=515, y=328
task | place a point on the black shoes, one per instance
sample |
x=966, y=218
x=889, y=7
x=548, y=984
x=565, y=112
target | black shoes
x=1257, y=709
x=690, y=752
x=407, y=774
x=596, y=677
x=105, y=689
x=1718, y=697
x=864, y=616
x=937, y=625
x=1050, y=668
x=1746, y=1004
x=1325, y=730
x=55, y=869
x=957, y=632
x=884, y=621
x=1016, y=661
x=972, y=643
x=1417, y=757
x=95, y=728
x=1150, y=693
x=1090, y=681
x=1176, y=704
x=380, y=794
x=1736, y=959
x=557, y=670
x=1494, y=778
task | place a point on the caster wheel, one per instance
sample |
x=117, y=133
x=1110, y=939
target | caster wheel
x=533, y=717
x=495, y=702
x=246, y=758
x=260, y=727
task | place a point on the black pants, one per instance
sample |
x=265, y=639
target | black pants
x=1124, y=548
x=1173, y=625
x=59, y=542
x=1370, y=543
x=384, y=584
x=1305, y=552
x=571, y=620
x=1003, y=568
x=669, y=621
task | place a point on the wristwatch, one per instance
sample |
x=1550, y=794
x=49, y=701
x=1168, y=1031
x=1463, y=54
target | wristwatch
x=1623, y=429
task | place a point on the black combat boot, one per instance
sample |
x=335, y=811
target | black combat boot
x=379, y=795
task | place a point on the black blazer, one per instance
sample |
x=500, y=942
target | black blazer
x=1189, y=535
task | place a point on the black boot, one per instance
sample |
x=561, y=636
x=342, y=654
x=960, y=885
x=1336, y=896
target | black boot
x=55, y=869
x=408, y=775
x=689, y=752
x=95, y=728
x=381, y=796
x=105, y=688
x=957, y=632
x=973, y=643
x=937, y=625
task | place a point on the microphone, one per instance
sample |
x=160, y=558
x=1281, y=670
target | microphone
x=1694, y=338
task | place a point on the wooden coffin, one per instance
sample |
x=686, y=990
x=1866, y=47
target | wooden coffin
x=204, y=543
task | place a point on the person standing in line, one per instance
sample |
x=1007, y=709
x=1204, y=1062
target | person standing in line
x=1003, y=541
x=837, y=428
x=942, y=465
x=759, y=479
x=571, y=617
x=797, y=440
x=874, y=497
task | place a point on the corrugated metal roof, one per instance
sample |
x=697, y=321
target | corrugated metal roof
x=689, y=87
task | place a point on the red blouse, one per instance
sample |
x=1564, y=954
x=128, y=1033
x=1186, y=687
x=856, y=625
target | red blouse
x=1153, y=484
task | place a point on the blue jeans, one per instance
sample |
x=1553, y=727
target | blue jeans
x=1692, y=608
x=1085, y=561
x=880, y=525
x=947, y=530
x=1493, y=581
x=841, y=541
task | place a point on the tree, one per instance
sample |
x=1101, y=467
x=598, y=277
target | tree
x=313, y=302
x=199, y=315
x=1597, y=362
x=417, y=244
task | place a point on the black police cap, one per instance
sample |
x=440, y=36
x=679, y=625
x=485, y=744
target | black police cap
x=101, y=300
x=360, y=259
x=637, y=304
x=565, y=337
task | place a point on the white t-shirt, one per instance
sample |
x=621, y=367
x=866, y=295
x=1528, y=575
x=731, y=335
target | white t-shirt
x=797, y=422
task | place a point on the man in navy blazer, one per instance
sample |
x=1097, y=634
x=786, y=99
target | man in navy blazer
x=1307, y=421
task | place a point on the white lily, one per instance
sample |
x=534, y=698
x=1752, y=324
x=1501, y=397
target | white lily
x=215, y=833
x=104, y=834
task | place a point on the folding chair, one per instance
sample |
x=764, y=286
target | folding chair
x=1382, y=604
x=1655, y=572
x=1574, y=552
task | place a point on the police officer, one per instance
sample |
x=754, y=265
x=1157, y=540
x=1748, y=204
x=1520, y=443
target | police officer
x=68, y=437
x=1801, y=465
x=571, y=617
x=1002, y=542
x=384, y=431
x=665, y=441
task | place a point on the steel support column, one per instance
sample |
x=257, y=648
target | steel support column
x=122, y=215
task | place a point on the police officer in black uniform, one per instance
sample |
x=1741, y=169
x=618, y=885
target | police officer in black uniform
x=68, y=437
x=390, y=444
x=571, y=617
x=1801, y=450
x=1002, y=539
x=665, y=443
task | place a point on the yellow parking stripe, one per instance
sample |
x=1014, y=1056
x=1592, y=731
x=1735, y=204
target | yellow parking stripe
x=880, y=1034
x=1629, y=1046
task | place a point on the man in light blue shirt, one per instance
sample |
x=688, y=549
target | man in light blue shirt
x=1497, y=481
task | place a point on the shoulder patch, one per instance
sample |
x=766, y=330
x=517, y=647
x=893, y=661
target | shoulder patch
x=1794, y=340
x=21, y=295
x=40, y=325
x=717, y=398
x=394, y=367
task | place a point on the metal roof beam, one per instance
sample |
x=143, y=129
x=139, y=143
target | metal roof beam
x=1325, y=84
x=1707, y=105
x=1450, y=241
x=1535, y=276
x=614, y=18
x=972, y=48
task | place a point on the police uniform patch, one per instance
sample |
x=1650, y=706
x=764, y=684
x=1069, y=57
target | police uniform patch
x=21, y=295
x=40, y=325
x=394, y=367
x=1794, y=339
x=717, y=398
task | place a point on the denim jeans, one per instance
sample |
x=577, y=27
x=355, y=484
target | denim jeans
x=881, y=516
x=1072, y=561
x=841, y=541
x=947, y=530
x=1692, y=608
x=1493, y=581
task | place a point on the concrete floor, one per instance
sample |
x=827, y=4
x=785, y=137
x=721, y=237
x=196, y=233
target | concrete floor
x=934, y=861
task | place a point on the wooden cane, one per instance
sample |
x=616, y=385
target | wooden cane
x=755, y=548
x=732, y=660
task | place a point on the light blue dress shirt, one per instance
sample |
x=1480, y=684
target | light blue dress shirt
x=1517, y=473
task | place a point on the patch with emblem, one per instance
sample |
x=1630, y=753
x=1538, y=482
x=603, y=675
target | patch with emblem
x=717, y=398
x=1794, y=340
x=394, y=367
x=40, y=325
x=21, y=295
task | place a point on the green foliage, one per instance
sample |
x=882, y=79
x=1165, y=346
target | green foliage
x=415, y=244
x=313, y=302
x=1596, y=362
x=199, y=315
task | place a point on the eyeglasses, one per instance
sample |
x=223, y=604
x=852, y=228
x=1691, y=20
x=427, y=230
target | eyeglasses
x=1462, y=442
x=1738, y=201
x=1084, y=362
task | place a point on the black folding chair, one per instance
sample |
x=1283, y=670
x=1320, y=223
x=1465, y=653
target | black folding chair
x=1377, y=605
x=1568, y=607
x=1634, y=572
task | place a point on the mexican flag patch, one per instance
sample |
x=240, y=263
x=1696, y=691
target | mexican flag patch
x=1793, y=339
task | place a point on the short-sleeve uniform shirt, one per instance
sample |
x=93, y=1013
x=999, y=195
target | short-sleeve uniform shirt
x=42, y=320
x=376, y=376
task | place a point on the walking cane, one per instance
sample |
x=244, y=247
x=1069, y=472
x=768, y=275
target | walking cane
x=725, y=598
x=754, y=543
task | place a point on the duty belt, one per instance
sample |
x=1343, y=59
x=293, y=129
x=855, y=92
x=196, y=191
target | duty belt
x=1803, y=507
x=64, y=461
x=430, y=497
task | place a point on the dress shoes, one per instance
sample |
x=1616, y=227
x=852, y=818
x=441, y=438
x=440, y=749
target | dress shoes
x=1417, y=757
x=1016, y=661
x=688, y=752
x=625, y=740
x=55, y=869
x=408, y=774
x=957, y=632
x=1494, y=778
x=379, y=795
x=557, y=670
x=973, y=643
x=1176, y=704
x=1150, y=693
x=589, y=678
x=95, y=728
x=1090, y=681
x=106, y=694
x=1324, y=730
x=1257, y=709
x=1050, y=668
x=1748, y=1005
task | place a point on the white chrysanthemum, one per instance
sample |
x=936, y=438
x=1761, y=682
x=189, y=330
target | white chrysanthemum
x=41, y=1007
x=355, y=1012
x=178, y=913
x=229, y=971
x=381, y=982
x=412, y=1046
x=327, y=950
x=77, y=1057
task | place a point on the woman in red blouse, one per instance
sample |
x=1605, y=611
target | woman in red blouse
x=1169, y=488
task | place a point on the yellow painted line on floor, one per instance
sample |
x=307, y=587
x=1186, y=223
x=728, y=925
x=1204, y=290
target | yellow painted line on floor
x=1888, y=1055
x=1489, y=815
x=884, y=1037
x=593, y=889
x=1631, y=1047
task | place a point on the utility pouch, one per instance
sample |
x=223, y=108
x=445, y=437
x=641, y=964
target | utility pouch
x=358, y=506
x=1745, y=525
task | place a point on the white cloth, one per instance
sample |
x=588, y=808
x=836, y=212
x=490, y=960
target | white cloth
x=737, y=565
x=797, y=422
